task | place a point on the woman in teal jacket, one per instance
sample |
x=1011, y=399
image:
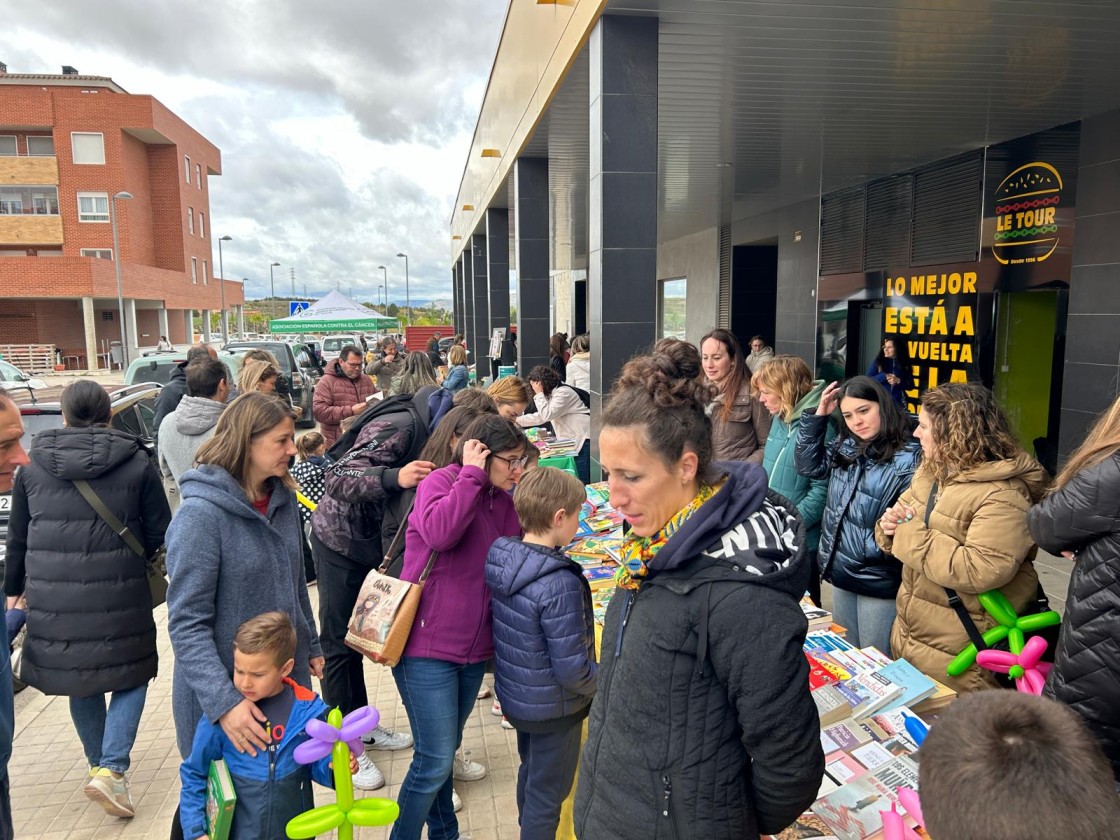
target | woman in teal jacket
x=787, y=389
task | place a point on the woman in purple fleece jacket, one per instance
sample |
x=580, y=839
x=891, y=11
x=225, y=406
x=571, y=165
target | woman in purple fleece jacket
x=460, y=511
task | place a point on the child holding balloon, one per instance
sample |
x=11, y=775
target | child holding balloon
x=271, y=786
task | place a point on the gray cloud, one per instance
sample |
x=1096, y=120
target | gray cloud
x=404, y=72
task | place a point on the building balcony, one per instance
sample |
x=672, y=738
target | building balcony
x=29, y=170
x=30, y=230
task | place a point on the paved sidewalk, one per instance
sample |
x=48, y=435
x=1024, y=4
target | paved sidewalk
x=48, y=769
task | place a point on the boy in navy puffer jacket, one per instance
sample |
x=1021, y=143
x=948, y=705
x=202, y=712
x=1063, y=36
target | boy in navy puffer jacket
x=544, y=644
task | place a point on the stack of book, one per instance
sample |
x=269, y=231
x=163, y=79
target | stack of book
x=598, y=544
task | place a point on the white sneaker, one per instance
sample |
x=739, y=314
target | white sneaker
x=385, y=739
x=496, y=709
x=484, y=692
x=368, y=776
x=456, y=804
x=465, y=770
x=505, y=723
x=110, y=791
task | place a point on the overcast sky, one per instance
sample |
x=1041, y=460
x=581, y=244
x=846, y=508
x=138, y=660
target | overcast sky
x=344, y=126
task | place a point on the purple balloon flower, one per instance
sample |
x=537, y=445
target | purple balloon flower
x=323, y=736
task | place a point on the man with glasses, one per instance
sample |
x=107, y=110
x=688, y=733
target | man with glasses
x=343, y=392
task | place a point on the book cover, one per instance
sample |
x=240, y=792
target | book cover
x=824, y=659
x=882, y=689
x=818, y=618
x=852, y=811
x=807, y=827
x=827, y=640
x=915, y=685
x=842, y=767
x=830, y=703
x=818, y=674
x=220, y=801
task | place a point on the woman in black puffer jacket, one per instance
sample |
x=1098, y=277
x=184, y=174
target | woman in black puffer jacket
x=1081, y=520
x=89, y=621
x=868, y=465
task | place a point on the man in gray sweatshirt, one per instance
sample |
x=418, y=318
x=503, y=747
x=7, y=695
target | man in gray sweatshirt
x=192, y=423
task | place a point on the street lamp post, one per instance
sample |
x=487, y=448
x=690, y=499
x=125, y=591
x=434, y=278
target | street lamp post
x=222, y=286
x=407, y=297
x=385, y=280
x=381, y=294
x=125, y=196
x=272, y=277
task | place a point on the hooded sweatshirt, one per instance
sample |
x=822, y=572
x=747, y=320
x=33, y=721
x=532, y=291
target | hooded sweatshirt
x=183, y=431
x=228, y=563
x=89, y=620
x=977, y=540
x=703, y=725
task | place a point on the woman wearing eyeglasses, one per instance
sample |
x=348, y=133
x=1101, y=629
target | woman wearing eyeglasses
x=460, y=510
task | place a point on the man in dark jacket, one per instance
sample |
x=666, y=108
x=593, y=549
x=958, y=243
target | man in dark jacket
x=12, y=456
x=343, y=392
x=544, y=644
x=176, y=387
x=715, y=734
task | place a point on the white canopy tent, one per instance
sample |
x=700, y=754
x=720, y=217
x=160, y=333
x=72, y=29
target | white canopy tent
x=333, y=313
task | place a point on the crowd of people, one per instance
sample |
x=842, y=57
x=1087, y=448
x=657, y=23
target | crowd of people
x=743, y=483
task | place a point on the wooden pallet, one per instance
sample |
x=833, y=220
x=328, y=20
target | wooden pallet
x=30, y=358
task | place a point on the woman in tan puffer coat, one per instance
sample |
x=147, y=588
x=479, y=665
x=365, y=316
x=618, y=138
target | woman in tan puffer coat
x=980, y=484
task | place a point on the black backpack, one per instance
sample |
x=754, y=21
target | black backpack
x=400, y=404
x=583, y=395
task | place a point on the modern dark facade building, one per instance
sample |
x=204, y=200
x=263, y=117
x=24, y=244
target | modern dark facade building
x=945, y=174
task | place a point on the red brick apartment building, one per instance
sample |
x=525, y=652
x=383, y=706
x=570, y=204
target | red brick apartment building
x=69, y=144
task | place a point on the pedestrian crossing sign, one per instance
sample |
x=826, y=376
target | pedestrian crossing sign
x=297, y=306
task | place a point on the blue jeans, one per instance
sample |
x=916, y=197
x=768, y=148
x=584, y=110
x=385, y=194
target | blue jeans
x=107, y=737
x=868, y=620
x=583, y=462
x=7, y=732
x=439, y=696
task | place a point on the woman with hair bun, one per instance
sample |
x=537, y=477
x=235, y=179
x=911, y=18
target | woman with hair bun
x=867, y=466
x=704, y=726
x=740, y=423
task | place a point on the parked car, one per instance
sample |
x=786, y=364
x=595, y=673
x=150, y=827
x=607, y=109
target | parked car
x=302, y=377
x=13, y=379
x=159, y=366
x=133, y=409
x=332, y=344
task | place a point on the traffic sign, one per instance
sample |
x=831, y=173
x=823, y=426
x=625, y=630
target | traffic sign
x=297, y=306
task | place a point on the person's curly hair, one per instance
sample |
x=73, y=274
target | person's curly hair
x=969, y=428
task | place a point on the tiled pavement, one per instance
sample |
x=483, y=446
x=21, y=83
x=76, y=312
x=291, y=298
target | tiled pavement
x=48, y=769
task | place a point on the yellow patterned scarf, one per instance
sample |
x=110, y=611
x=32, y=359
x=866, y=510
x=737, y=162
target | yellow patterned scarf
x=638, y=552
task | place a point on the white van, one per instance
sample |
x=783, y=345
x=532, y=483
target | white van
x=332, y=344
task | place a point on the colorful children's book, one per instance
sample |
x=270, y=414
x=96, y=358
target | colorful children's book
x=852, y=811
x=916, y=686
x=220, y=801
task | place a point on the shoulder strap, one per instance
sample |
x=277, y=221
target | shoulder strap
x=955, y=602
x=108, y=517
x=392, y=552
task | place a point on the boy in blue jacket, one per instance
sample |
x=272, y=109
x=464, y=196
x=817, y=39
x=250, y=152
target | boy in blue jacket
x=271, y=787
x=544, y=644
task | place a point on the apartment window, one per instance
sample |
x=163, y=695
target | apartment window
x=190, y=221
x=201, y=224
x=40, y=146
x=194, y=270
x=93, y=207
x=8, y=147
x=98, y=253
x=187, y=167
x=88, y=147
x=205, y=274
x=38, y=200
x=198, y=175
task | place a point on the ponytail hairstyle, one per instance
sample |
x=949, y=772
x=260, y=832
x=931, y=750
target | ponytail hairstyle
x=895, y=426
x=309, y=444
x=664, y=394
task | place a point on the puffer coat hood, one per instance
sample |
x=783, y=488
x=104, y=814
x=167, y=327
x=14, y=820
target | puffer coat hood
x=711, y=644
x=1084, y=517
x=89, y=621
x=196, y=415
x=859, y=492
x=977, y=540
x=544, y=635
